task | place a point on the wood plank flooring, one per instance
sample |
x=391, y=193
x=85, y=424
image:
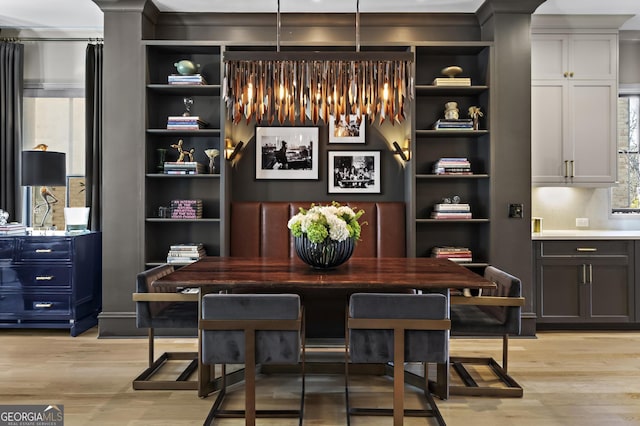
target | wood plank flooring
x=577, y=378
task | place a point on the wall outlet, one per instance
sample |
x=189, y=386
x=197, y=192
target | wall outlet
x=516, y=210
x=582, y=222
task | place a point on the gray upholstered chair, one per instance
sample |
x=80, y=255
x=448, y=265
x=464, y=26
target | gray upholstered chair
x=158, y=309
x=397, y=328
x=495, y=313
x=252, y=329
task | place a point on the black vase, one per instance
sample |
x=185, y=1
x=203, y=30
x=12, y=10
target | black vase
x=324, y=255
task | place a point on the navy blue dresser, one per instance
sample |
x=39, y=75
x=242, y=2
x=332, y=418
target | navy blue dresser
x=51, y=282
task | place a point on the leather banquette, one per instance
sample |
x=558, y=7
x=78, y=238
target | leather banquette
x=259, y=229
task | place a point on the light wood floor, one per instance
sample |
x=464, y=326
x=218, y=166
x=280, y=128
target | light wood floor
x=568, y=378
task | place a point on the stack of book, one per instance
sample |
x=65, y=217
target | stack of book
x=188, y=122
x=451, y=211
x=452, y=166
x=183, y=254
x=193, y=79
x=186, y=209
x=183, y=168
x=455, y=254
x=13, y=229
x=452, y=81
x=454, y=124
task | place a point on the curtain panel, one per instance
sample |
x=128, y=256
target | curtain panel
x=11, y=90
x=93, y=139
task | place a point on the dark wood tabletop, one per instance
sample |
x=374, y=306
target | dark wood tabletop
x=226, y=273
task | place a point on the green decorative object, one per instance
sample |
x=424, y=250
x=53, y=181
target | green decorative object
x=186, y=67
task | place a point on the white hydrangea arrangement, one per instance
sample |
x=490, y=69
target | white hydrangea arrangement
x=334, y=221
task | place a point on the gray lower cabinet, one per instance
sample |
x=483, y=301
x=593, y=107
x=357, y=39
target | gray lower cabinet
x=583, y=281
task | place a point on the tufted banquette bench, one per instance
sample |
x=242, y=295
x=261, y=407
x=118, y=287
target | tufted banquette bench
x=259, y=229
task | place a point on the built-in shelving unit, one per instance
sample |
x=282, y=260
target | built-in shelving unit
x=429, y=145
x=164, y=100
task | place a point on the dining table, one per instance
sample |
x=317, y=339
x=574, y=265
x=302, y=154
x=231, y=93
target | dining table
x=290, y=275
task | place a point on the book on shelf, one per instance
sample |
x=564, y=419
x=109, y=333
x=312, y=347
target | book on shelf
x=193, y=79
x=13, y=228
x=179, y=122
x=450, y=215
x=456, y=207
x=453, y=253
x=451, y=124
x=183, y=168
x=446, y=166
x=187, y=253
x=452, y=81
x=186, y=209
x=187, y=246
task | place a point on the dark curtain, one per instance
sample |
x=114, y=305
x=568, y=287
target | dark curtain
x=11, y=89
x=93, y=139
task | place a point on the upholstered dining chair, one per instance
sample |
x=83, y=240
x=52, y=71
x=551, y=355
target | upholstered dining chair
x=157, y=309
x=494, y=313
x=252, y=329
x=397, y=328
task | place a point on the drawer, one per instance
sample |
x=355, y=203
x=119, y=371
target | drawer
x=6, y=248
x=585, y=248
x=33, y=305
x=44, y=249
x=44, y=276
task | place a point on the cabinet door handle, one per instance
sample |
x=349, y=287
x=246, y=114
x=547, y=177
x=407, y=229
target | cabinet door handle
x=586, y=249
x=566, y=74
x=46, y=305
x=571, y=74
x=44, y=278
x=566, y=168
x=584, y=274
x=43, y=250
x=590, y=274
x=573, y=169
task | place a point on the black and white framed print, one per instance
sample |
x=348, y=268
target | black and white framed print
x=347, y=130
x=354, y=172
x=286, y=153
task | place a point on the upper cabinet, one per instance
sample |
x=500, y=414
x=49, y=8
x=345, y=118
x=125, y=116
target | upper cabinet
x=573, y=108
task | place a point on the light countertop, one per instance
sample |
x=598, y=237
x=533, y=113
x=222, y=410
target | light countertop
x=587, y=234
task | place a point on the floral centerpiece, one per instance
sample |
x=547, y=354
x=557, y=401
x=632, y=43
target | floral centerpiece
x=326, y=235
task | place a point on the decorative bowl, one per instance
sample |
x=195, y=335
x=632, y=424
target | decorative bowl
x=325, y=255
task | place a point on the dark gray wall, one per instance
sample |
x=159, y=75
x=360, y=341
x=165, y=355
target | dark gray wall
x=128, y=22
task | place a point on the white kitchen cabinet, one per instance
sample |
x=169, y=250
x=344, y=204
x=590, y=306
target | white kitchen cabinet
x=573, y=107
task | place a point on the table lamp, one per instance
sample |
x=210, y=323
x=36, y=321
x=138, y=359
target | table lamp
x=43, y=168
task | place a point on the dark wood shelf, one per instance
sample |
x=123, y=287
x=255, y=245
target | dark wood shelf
x=200, y=132
x=198, y=176
x=167, y=220
x=186, y=89
x=431, y=90
x=452, y=176
x=451, y=133
x=440, y=221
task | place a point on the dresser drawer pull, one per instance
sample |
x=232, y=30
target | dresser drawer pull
x=586, y=249
x=45, y=278
x=43, y=250
x=46, y=305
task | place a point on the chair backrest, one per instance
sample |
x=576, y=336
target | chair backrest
x=145, y=311
x=223, y=339
x=422, y=344
x=506, y=286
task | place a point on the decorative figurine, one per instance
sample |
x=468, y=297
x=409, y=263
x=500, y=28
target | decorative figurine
x=186, y=67
x=4, y=217
x=451, y=111
x=212, y=153
x=475, y=114
x=183, y=152
x=188, y=103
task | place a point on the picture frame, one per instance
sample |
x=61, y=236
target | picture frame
x=354, y=172
x=287, y=153
x=346, y=131
x=76, y=192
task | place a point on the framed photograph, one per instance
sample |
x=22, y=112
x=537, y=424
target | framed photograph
x=347, y=130
x=76, y=193
x=354, y=172
x=286, y=153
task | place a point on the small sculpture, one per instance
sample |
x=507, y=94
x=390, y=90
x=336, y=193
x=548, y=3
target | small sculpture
x=475, y=114
x=182, y=152
x=451, y=71
x=186, y=67
x=188, y=103
x=4, y=217
x=212, y=153
x=451, y=111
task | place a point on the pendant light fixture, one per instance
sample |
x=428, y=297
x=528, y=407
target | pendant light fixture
x=315, y=85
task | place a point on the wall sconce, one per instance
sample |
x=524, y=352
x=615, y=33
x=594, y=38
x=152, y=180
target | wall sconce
x=404, y=153
x=44, y=168
x=230, y=150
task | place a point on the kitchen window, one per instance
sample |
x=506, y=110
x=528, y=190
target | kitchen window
x=625, y=197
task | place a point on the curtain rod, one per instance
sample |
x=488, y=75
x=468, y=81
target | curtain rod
x=88, y=39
